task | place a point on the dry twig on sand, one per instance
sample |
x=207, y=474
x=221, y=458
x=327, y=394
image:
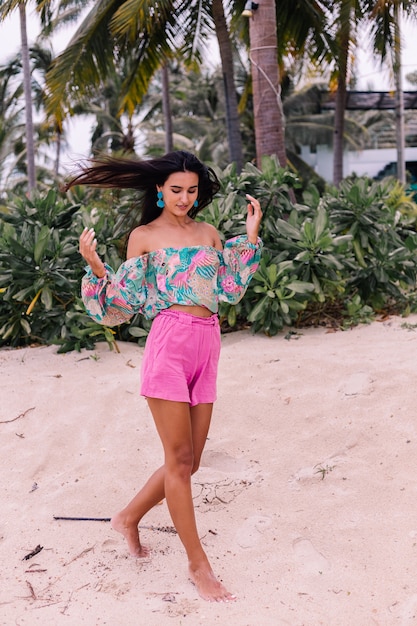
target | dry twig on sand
x=33, y=553
x=32, y=408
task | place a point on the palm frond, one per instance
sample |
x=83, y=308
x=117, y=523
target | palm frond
x=134, y=17
x=86, y=61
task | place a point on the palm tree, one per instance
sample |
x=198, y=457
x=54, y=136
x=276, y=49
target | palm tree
x=11, y=116
x=399, y=96
x=43, y=7
x=50, y=131
x=332, y=44
x=386, y=33
x=344, y=18
x=226, y=55
x=267, y=105
x=45, y=132
x=147, y=35
x=279, y=31
x=5, y=10
x=198, y=107
x=113, y=132
x=166, y=107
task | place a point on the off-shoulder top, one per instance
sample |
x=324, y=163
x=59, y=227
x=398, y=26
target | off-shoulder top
x=197, y=275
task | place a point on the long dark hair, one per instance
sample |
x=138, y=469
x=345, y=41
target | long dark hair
x=124, y=173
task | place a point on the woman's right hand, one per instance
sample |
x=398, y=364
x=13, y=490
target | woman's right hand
x=88, y=245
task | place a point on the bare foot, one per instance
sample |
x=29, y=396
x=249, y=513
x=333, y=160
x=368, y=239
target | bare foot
x=131, y=534
x=208, y=586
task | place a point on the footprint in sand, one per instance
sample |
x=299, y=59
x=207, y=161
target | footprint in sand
x=249, y=534
x=308, y=559
x=222, y=462
x=109, y=544
x=357, y=384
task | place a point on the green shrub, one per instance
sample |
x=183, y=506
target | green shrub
x=347, y=254
x=313, y=249
x=355, y=247
x=275, y=297
x=39, y=269
x=384, y=261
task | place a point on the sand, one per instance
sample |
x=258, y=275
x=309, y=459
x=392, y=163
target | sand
x=306, y=499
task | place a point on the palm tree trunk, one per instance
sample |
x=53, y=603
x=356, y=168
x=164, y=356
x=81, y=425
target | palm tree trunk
x=399, y=99
x=226, y=56
x=166, y=109
x=340, y=105
x=58, y=144
x=339, y=130
x=30, y=144
x=268, y=113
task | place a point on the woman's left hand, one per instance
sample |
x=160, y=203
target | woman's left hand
x=253, y=219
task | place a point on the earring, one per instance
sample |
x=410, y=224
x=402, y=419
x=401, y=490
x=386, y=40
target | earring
x=160, y=203
x=196, y=204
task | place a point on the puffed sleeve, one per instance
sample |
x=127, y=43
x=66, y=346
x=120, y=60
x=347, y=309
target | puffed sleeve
x=239, y=261
x=117, y=296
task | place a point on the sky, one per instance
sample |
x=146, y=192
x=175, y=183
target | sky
x=369, y=74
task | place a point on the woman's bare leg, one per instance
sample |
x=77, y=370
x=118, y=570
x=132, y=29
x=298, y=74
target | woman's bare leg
x=175, y=423
x=127, y=520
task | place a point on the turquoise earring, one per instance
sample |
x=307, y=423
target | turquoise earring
x=160, y=203
x=196, y=204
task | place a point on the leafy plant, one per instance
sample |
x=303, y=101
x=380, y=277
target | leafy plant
x=270, y=186
x=313, y=249
x=80, y=331
x=341, y=256
x=383, y=248
x=356, y=312
x=275, y=297
x=39, y=268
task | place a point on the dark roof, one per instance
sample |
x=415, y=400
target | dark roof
x=366, y=100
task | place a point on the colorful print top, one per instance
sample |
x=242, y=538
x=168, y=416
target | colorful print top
x=198, y=275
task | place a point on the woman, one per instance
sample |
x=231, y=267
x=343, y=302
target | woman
x=176, y=273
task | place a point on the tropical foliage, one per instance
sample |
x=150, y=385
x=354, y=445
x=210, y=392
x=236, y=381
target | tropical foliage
x=336, y=255
x=341, y=257
x=350, y=249
x=41, y=270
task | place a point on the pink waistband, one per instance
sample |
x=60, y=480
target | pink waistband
x=188, y=318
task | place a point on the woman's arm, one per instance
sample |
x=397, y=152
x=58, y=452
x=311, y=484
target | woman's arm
x=88, y=250
x=253, y=219
x=240, y=258
x=110, y=298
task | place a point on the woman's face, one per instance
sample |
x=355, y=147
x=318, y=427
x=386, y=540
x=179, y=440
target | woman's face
x=179, y=192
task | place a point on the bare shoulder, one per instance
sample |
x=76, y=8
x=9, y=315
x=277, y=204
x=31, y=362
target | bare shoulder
x=210, y=234
x=138, y=242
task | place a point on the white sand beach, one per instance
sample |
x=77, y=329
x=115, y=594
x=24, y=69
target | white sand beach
x=306, y=500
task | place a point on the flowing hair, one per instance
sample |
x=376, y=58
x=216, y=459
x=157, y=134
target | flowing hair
x=144, y=176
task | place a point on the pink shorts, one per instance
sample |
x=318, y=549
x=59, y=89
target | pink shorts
x=181, y=358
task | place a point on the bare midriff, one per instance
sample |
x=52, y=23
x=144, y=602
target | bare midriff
x=198, y=311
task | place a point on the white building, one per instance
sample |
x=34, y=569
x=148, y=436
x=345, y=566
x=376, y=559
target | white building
x=379, y=155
